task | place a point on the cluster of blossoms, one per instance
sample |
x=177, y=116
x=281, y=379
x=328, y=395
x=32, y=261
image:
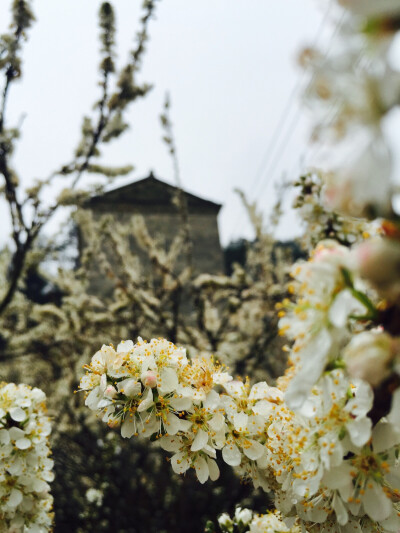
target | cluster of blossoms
x=323, y=458
x=245, y=521
x=25, y=466
x=320, y=223
x=353, y=89
x=326, y=439
x=332, y=305
x=153, y=390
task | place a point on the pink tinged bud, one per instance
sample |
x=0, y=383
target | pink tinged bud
x=325, y=253
x=110, y=392
x=368, y=356
x=149, y=379
x=337, y=196
x=330, y=251
x=378, y=261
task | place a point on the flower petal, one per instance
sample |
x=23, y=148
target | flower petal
x=231, y=454
x=253, y=449
x=376, y=504
x=200, y=440
x=202, y=470
x=180, y=463
x=146, y=402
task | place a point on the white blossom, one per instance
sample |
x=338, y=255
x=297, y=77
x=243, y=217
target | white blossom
x=25, y=463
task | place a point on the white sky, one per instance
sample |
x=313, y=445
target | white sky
x=229, y=66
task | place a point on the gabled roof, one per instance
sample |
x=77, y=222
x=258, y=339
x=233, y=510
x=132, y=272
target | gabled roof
x=149, y=193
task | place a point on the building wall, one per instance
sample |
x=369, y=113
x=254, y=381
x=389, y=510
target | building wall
x=206, y=253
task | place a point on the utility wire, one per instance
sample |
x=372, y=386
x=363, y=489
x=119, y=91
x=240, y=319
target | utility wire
x=295, y=121
x=271, y=164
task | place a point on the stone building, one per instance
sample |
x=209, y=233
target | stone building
x=154, y=200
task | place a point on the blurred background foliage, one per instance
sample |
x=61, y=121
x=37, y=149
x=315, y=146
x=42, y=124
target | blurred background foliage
x=52, y=321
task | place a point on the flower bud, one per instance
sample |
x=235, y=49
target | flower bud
x=110, y=392
x=369, y=354
x=378, y=260
x=225, y=523
x=149, y=379
x=243, y=515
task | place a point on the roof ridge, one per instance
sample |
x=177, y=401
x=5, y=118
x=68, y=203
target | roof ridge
x=139, y=186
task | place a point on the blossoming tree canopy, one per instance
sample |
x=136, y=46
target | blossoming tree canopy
x=25, y=465
x=326, y=457
x=326, y=439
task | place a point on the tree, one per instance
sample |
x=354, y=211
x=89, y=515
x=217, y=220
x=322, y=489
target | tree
x=50, y=323
x=28, y=209
x=325, y=441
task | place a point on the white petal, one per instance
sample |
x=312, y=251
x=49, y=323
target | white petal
x=130, y=387
x=240, y=421
x=253, y=449
x=40, y=486
x=17, y=414
x=376, y=504
x=125, y=346
x=394, y=415
x=219, y=439
x=16, y=467
x=181, y=404
x=200, y=440
x=314, y=358
x=184, y=391
x=180, y=463
x=16, y=433
x=198, y=396
x=259, y=391
x=104, y=402
x=168, y=381
x=202, y=471
x=150, y=426
x=212, y=401
x=170, y=443
x=99, y=361
x=93, y=398
x=340, y=510
x=173, y=424
x=185, y=425
x=217, y=421
x=128, y=427
x=392, y=523
x=15, y=498
x=360, y=430
x=343, y=305
x=220, y=378
x=338, y=477
x=210, y=451
x=263, y=408
x=23, y=444
x=146, y=402
x=362, y=402
x=235, y=388
x=88, y=381
x=384, y=437
x=47, y=475
x=231, y=454
x=213, y=468
x=4, y=436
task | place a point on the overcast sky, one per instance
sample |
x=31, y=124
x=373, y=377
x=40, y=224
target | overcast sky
x=229, y=66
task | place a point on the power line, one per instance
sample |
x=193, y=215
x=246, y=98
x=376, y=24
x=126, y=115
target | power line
x=267, y=162
x=283, y=117
x=293, y=124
